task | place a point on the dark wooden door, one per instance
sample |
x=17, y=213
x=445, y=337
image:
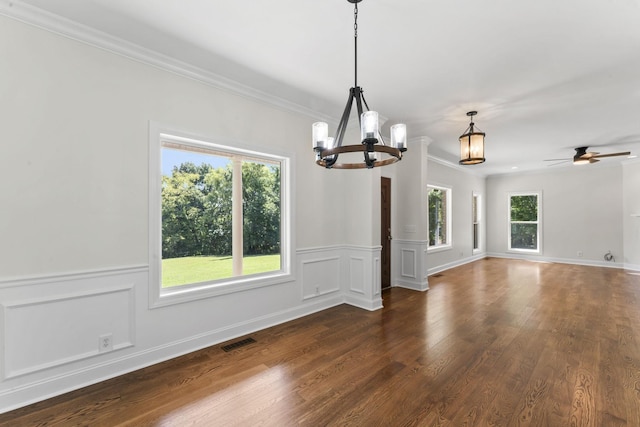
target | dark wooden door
x=385, y=231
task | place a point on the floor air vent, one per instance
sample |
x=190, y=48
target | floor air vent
x=438, y=275
x=238, y=344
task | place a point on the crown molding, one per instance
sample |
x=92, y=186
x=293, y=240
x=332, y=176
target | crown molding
x=455, y=166
x=423, y=139
x=45, y=20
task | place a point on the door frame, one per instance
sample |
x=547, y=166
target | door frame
x=385, y=232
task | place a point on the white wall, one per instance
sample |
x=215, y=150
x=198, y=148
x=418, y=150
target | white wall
x=582, y=211
x=631, y=214
x=463, y=183
x=74, y=218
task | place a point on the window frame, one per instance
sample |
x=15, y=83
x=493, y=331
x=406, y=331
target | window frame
x=538, y=222
x=448, y=229
x=476, y=222
x=159, y=296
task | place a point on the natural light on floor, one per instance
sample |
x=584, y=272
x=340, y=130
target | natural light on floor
x=253, y=388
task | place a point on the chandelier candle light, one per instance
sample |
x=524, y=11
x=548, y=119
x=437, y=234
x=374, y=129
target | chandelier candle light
x=472, y=144
x=328, y=149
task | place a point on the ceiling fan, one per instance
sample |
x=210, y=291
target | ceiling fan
x=583, y=157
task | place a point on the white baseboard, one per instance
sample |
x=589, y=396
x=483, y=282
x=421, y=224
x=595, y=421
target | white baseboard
x=586, y=262
x=414, y=286
x=363, y=303
x=631, y=267
x=456, y=263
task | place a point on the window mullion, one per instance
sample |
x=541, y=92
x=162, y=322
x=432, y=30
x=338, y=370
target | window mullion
x=236, y=216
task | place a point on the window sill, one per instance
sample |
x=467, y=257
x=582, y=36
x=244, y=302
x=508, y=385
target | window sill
x=198, y=291
x=524, y=251
x=440, y=248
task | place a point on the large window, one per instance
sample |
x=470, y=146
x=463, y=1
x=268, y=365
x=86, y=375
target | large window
x=524, y=222
x=439, y=217
x=218, y=218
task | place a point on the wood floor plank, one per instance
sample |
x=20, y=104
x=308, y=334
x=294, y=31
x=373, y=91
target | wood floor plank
x=493, y=342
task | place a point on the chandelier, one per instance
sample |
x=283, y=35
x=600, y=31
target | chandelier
x=376, y=152
x=472, y=144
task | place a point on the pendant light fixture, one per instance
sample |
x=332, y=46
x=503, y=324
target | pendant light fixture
x=372, y=145
x=472, y=144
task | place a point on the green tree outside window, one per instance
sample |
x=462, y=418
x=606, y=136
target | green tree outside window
x=197, y=218
x=524, y=223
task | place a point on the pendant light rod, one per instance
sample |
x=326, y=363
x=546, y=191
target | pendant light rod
x=471, y=114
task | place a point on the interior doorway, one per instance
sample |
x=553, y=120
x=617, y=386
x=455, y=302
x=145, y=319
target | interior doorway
x=385, y=231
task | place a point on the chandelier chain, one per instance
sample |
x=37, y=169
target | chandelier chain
x=355, y=20
x=355, y=42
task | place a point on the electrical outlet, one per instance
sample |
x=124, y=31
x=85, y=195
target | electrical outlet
x=317, y=290
x=105, y=343
x=579, y=254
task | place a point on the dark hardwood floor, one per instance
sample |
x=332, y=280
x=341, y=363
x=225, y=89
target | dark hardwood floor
x=496, y=342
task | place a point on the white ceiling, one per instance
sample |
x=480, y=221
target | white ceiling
x=545, y=76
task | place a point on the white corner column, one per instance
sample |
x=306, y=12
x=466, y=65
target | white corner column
x=409, y=248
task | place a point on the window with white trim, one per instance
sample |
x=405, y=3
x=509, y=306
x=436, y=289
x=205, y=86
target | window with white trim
x=219, y=218
x=439, y=201
x=476, y=207
x=525, y=222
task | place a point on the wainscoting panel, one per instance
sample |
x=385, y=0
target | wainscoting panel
x=356, y=275
x=409, y=266
x=362, y=277
x=408, y=262
x=320, y=275
x=50, y=326
x=425, y=270
x=45, y=332
x=377, y=276
x=350, y=272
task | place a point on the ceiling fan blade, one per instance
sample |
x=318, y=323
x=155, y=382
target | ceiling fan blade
x=600, y=156
x=593, y=160
x=589, y=155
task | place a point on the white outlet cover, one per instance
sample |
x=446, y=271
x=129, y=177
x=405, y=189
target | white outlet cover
x=105, y=343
